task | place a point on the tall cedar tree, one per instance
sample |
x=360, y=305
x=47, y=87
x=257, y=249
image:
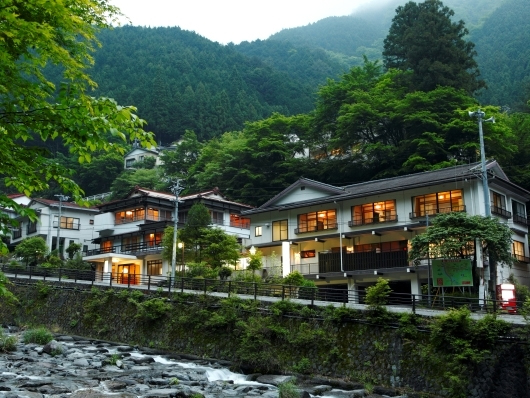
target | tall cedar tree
x=424, y=40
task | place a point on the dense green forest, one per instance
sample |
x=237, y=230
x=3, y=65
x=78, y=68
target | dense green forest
x=179, y=80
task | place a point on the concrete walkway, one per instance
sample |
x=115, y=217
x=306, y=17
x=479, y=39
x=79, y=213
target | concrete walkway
x=426, y=312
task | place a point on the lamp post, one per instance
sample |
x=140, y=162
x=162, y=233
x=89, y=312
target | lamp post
x=484, y=174
x=61, y=199
x=176, y=188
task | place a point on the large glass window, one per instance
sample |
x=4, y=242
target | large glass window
x=67, y=222
x=154, y=267
x=518, y=251
x=374, y=213
x=498, y=205
x=440, y=202
x=154, y=239
x=279, y=230
x=317, y=221
x=258, y=231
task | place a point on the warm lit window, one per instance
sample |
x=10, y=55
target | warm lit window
x=374, y=213
x=154, y=239
x=154, y=267
x=106, y=246
x=518, y=248
x=440, y=202
x=317, y=221
x=131, y=215
x=67, y=222
x=279, y=230
x=239, y=222
x=258, y=231
x=307, y=254
x=153, y=214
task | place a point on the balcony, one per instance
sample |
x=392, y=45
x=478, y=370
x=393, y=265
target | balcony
x=149, y=217
x=500, y=211
x=356, y=221
x=315, y=228
x=434, y=212
x=330, y=262
x=522, y=220
x=134, y=248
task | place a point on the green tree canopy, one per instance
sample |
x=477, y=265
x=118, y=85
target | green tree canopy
x=33, y=110
x=453, y=235
x=424, y=40
x=219, y=248
x=31, y=249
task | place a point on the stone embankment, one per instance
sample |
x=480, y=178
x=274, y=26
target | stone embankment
x=75, y=367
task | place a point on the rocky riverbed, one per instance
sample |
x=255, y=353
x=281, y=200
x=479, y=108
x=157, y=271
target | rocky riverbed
x=74, y=367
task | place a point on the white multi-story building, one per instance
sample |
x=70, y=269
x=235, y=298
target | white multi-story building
x=129, y=231
x=76, y=224
x=350, y=235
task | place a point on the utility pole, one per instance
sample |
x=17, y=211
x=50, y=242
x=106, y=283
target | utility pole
x=61, y=199
x=484, y=174
x=429, y=272
x=176, y=188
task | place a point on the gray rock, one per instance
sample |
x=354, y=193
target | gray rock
x=81, y=362
x=275, y=380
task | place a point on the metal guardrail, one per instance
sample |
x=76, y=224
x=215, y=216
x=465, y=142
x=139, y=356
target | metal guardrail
x=256, y=290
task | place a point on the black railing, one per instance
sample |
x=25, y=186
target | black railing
x=500, y=211
x=126, y=249
x=374, y=220
x=148, y=283
x=521, y=219
x=331, y=262
x=522, y=259
x=315, y=228
x=433, y=212
x=148, y=217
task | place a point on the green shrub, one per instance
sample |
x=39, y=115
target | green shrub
x=377, y=295
x=288, y=390
x=7, y=343
x=40, y=336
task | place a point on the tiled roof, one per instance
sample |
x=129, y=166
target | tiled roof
x=73, y=205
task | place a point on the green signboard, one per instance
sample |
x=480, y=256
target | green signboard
x=455, y=272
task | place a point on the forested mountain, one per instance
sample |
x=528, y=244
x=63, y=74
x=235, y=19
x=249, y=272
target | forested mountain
x=504, y=54
x=180, y=80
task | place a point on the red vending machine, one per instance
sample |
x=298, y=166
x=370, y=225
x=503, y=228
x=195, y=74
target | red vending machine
x=506, y=297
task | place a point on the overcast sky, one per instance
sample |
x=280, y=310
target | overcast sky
x=234, y=21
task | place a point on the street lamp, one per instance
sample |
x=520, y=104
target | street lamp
x=252, y=250
x=181, y=246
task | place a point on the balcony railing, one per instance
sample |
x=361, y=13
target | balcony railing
x=314, y=228
x=126, y=249
x=240, y=224
x=433, y=212
x=148, y=217
x=331, y=262
x=501, y=211
x=374, y=220
x=518, y=219
x=522, y=259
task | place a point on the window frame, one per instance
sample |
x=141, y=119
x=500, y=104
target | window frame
x=314, y=221
x=280, y=227
x=258, y=228
x=436, y=203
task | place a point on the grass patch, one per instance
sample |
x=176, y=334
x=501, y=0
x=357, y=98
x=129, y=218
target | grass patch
x=7, y=343
x=40, y=336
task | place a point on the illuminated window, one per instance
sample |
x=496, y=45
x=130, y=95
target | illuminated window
x=67, y=222
x=316, y=221
x=106, y=246
x=307, y=254
x=376, y=212
x=131, y=215
x=440, y=202
x=279, y=230
x=258, y=231
x=237, y=221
